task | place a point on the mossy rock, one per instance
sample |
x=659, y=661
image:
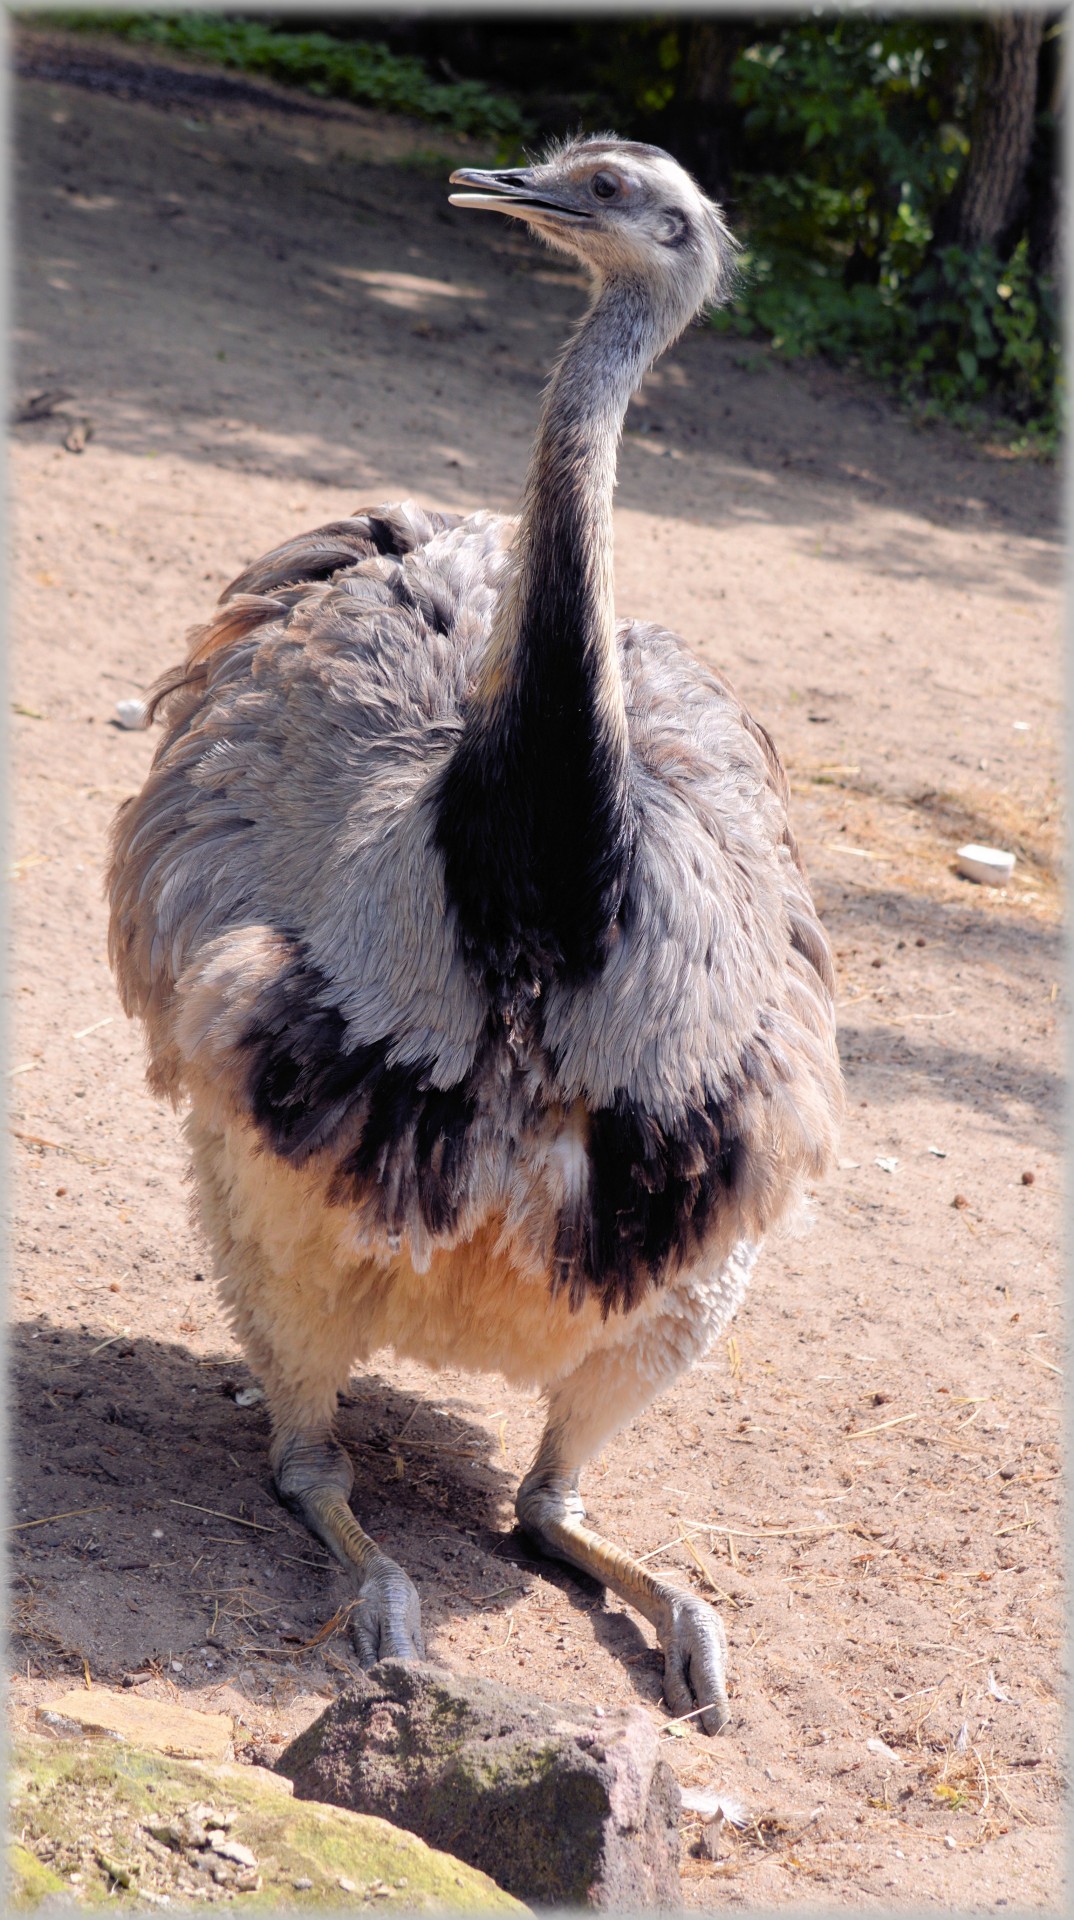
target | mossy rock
x=569, y=1806
x=134, y=1826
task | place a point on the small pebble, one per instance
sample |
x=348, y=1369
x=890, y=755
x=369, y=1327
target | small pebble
x=345, y=1885
x=1028, y=1179
x=988, y=866
x=130, y=713
x=303, y=1885
x=947, y=1840
x=960, y=1200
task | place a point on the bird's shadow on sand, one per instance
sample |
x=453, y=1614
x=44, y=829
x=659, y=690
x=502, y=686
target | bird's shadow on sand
x=144, y=1528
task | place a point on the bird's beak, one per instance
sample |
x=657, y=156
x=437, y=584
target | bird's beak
x=514, y=191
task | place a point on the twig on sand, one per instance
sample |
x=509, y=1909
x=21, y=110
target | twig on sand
x=71, y=1514
x=235, y=1518
x=721, y=1592
x=899, y=1421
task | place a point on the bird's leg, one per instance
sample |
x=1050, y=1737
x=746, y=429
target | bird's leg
x=615, y=1382
x=314, y=1476
x=690, y=1632
x=300, y=1329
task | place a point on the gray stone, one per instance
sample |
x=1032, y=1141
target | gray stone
x=561, y=1805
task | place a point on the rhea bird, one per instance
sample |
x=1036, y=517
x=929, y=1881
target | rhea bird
x=466, y=921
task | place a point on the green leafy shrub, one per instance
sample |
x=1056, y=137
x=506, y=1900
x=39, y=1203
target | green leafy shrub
x=988, y=327
x=863, y=124
x=969, y=335
x=360, y=70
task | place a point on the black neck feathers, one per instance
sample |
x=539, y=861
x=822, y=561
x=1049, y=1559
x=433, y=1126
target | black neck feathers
x=535, y=821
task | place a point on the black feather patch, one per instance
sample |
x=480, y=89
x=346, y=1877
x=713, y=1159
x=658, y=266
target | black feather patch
x=655, y=1191
x=415, y=1151
x=306, y=1089
x=300, y=1080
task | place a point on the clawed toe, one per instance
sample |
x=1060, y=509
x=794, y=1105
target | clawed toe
x=695, y=1663
x=386, y=1622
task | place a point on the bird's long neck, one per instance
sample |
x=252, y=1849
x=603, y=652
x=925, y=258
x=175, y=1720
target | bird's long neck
x=536, y=815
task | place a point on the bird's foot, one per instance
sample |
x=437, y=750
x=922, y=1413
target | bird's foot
x=386, y=1621
x=694, y=1645
x=314, y=1477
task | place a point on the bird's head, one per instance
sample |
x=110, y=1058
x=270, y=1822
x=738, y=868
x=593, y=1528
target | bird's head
x=623, y=209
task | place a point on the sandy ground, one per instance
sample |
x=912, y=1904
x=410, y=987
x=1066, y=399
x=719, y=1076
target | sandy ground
x=263, y=319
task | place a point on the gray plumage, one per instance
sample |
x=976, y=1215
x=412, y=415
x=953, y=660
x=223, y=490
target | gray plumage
x=358, y=978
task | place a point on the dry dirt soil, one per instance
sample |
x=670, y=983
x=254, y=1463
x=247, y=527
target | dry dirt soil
x=263, y=317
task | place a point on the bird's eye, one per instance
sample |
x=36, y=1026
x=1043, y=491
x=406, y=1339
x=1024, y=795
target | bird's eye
x=605, y=186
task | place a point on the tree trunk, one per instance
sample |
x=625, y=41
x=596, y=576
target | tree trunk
x=1045, y=222
x=989, y=203
x=703, y=122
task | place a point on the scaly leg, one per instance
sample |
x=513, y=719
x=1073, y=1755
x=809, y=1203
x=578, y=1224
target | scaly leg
x=611, y=1385
x=314, y=1476
x=690, y=1632
x=299, y=1321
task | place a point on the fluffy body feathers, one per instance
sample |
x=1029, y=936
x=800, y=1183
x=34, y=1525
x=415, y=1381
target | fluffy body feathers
x=281, y=924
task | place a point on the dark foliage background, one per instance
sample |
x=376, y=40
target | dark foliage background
x=895, y=180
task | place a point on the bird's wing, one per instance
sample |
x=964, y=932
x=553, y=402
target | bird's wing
x=273, y=584
x=288, y=797
x=704, y=1051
